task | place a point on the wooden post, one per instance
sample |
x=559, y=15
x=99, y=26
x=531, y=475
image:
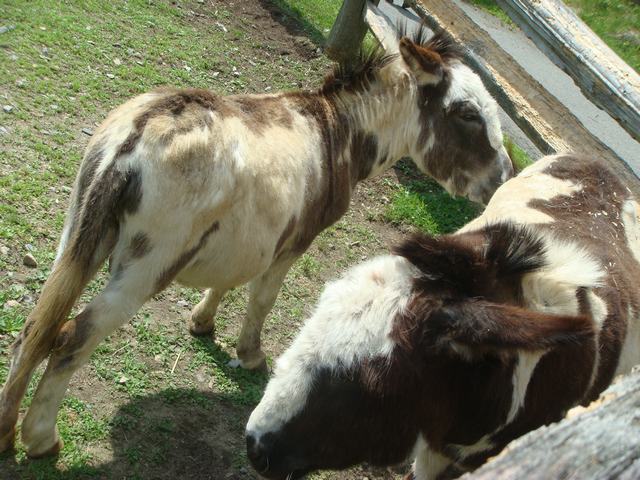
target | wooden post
x=602, y=76
x=348, y=31
x=600, y=442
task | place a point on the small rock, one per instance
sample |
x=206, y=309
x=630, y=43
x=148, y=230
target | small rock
x=29, y=261
x=28, y=246
x=11, y=304
x=117, y=61
x=182, y=303
x=215, y=74
x=45, y=51
x=200, y=2
x=236, y=73
x=21, y=83
x=66, y=189
x=87, y=131
x=221, y=27
x=187, y=68
x=158, y=358
x=122, y=380
x=28, y=299
x=4, y=251
x=4, y=131
x=111, y=76
x=7, y=28
x=7, y=108
x=54, y=107
x=13, y=57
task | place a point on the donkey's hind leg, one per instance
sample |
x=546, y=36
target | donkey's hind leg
x=73, y=346
x=262, y=295
x=203, y=314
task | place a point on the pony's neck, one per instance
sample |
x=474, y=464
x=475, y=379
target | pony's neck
x=375, y=126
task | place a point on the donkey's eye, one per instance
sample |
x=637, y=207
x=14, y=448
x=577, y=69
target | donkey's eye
x=470, y=117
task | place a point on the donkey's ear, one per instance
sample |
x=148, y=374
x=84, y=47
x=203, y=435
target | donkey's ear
x=476, y=326
x=425, y=64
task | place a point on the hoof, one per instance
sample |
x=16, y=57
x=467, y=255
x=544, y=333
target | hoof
x=8, y=440
x=260, y=366
x=201, y=331
x=50, y=452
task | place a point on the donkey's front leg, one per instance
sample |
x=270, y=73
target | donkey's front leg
x=263, y=293
x=204, y=313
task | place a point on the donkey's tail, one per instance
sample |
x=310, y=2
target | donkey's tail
x=98, y=203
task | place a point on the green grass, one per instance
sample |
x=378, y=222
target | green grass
x=617, y=22
x=317, y=16
x=492, y=7
x=424, y=204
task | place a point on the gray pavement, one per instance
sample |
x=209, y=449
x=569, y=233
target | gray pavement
x=552, y=78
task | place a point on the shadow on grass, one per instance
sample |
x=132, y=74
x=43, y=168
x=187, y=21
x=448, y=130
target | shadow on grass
x=292, y=19
x=426, y=205
x=173, y=434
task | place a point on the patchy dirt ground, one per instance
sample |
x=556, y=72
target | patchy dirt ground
x=154, y=403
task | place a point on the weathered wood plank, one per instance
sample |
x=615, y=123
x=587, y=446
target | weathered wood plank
x=598, y=443
x=550, y=125
x=603, y=77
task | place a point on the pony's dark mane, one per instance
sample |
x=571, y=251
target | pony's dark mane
x=356, y=74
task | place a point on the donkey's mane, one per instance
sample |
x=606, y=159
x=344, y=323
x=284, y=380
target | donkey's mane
x=510, y=250
x=356, y=74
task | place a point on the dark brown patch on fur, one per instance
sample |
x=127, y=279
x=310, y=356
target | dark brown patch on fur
x=139, y=245
x=327, y=202
x=258, y=113
x=364, y=152
x=460, y=148
x=592, y=219
x=172, y=103
x=286, y=233
x=114, y=195
x=169, y=274
x=71, y=338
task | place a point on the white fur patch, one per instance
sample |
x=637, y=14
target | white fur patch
x=511, y=201
x=527, y=362
x=631, y=221
x=427, y=464
x=464, y=451
x=352, y=321
x=552, y=289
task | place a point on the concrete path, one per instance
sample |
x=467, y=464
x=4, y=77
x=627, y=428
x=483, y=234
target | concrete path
x=552, y=78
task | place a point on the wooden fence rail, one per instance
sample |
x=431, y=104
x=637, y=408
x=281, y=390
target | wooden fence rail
x=603, y=77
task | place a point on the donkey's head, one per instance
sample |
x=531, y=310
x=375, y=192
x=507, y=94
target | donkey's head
x=406, y=349
x=443, y=116
x=458, y=139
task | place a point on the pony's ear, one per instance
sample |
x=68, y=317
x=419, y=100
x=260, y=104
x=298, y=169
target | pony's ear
x=476, y=326
x=425, y=64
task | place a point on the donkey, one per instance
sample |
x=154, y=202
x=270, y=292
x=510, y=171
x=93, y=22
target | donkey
x=454, y=346
x=218, y=191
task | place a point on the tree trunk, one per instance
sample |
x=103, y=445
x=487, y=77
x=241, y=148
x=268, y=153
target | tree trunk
x=348, y=31
x=600, y=442
x=602, y=76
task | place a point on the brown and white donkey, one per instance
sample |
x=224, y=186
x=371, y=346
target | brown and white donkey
x=218, y=191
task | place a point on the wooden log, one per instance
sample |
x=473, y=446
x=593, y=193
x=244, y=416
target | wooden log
x=348, y=31
x=603, y=77
x=599, y=442
x=550, y=125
